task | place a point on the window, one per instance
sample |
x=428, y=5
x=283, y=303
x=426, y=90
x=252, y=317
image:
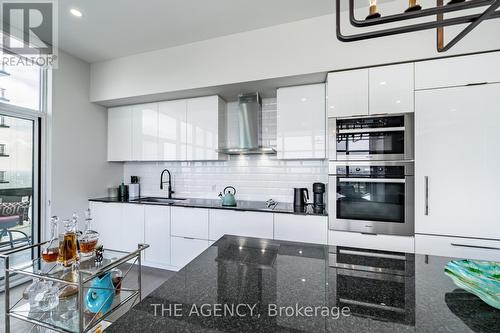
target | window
x=21, y=89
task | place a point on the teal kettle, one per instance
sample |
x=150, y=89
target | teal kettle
x=227, y=196
x=100, y=295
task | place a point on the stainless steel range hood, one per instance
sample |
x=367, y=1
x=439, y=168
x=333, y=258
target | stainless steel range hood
x=244, y=134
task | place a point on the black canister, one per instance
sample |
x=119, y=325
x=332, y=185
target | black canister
x=122, y=192
x=318, y=196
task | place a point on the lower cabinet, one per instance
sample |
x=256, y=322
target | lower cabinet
x=184, y=249
x=301, y=228
x=157, y=235
x=458, y=247
x=376, y=242
x=240, y=223
x=176, y=235
x=121, y=226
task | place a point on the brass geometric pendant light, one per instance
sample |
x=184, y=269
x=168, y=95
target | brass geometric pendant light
x=414, y=10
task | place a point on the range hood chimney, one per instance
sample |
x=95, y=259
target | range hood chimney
x=249, y=131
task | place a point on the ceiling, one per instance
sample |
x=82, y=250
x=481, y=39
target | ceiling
x=116, y=28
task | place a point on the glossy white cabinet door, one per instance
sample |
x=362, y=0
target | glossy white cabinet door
x=145, y=132
x=106, y=218
x=250, y=224
x=465, y=248
x=457, y=71
x=120, y=133
x=121, y=226
x=301, y=228
x=172, y=137
x=186, y=249
x=131, y=227
x=203, y=128
x=391, y=89
x=301, y=122
x=457, y=148
x=157, y=235
x=347, y=93
x=190, y=222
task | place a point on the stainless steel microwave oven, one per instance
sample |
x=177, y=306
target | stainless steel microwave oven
x=381, y=138
x=372, y=197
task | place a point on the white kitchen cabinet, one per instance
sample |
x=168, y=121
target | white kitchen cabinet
x=145, y=132
x=204, y=119
x=120, y=225
x=157, y=235
x=240, y=223
x=466, y=248
x=391, y=89
x=301, y=122
x=347, y=93
x=456, y=161
x=184, y=249
x=178, y=130
x=106, y=217
x=301, y=228
x=131, y=228
x=405, y=244
x=172, y=137
x=119, y=129
x=190, y=222
x=457, y=71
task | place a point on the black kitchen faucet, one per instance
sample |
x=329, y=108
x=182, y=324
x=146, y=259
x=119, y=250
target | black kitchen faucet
x=169, y=190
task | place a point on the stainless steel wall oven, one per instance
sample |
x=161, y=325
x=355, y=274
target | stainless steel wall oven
x=387, y=138
x=372, y=197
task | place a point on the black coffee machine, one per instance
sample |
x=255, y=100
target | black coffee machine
x=318, y=199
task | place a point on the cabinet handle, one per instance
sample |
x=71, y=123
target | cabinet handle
x=476, y=246
x=191, y=238
x=426, y=195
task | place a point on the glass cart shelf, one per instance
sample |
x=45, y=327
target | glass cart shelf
x=71, y=315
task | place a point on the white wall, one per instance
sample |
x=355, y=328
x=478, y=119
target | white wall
x=296, y=48
x=79, y=167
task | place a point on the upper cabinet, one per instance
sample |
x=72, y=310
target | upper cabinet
x=172, y=130
x=119, y=129
x=458, y=71
x=179, y=130
x=348, y=93
x=391, y=89
x=204, y=119
x=378, y=90
x=145, y=132
x=301, y=122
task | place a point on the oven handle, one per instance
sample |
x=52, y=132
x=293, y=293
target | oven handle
x=371, y=130
x=373, y=180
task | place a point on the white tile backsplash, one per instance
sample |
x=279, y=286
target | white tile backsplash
x=255, y=177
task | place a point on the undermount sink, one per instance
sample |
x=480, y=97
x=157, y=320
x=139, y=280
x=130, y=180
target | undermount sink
x=160, y=200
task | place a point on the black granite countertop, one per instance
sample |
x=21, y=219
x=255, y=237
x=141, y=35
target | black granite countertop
x=243, y=205
x=240, y=284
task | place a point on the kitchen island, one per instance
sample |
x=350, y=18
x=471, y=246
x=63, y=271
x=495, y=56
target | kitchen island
x=256, y=285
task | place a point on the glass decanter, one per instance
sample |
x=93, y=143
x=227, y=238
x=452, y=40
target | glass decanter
x=51, y=251
x=88, y=239
x=67, y=242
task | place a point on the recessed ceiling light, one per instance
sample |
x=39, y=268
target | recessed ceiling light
x=75, y=12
